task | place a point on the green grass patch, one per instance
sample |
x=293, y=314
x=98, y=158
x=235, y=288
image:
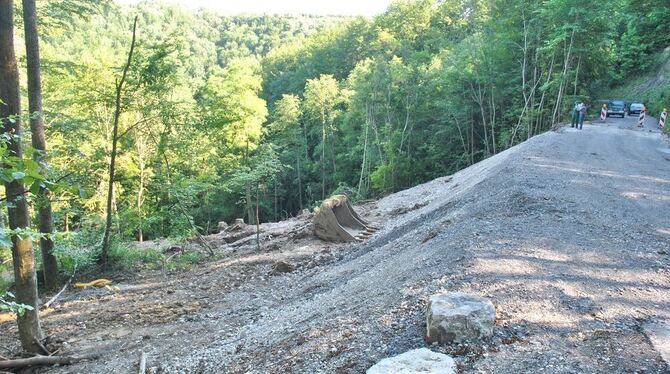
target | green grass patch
x=185, y=260
x=125, y=257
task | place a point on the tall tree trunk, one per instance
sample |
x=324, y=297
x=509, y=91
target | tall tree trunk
x=39, y=141
x=112, y=163
x=323, y=160
x=540, y=108
x=250, y=206
x=579, y=61
x=472, y=139
x=365, y=150
x=30, y=331
x=140, y=189
x=297, y=160
x=492, y=122
x=258, y=222
x=561, y=88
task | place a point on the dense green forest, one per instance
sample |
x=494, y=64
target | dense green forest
x=220, y=113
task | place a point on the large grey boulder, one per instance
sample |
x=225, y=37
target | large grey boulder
x=421, y=360
x=455, y=317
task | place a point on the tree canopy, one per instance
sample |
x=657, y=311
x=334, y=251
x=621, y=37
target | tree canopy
x=217, y=107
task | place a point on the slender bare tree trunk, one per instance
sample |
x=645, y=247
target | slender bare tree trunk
x=39, y=141
x=365, y=148
x=536, y=80
x=141, y=147
x=561, y=89
x=492, y=121
x=258, y=222
x=464, y=140
x=472, y=140
x=250, y=207
x=297, y=161
x=323, y=159
x=527, y=97
x=112, y=163
x=579, y=61
x=543, y=96
x=30, y=331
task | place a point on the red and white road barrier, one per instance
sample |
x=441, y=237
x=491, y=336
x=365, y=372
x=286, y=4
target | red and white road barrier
x=640, y=121
x=662, y=118
x=603, y=113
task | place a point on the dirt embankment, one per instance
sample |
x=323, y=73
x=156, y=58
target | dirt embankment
x=568, y=234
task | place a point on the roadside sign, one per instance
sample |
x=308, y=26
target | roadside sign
x=603, y=112
x=663, y=118
x=640, y=121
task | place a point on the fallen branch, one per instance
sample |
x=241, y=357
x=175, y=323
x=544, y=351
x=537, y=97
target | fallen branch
x=42, y=347
x=51, y=301
x=143, y=363
x=42, y=361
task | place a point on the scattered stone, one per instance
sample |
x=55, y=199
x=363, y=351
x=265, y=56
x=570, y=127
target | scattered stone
x=238, y=225
x=222, y=226
x=421, y=360
x=659, y=335
x=406, y=209
x=174, y=249
x=455, y=317
x=282, y=267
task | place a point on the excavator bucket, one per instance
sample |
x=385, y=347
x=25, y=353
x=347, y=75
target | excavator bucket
x=337, y=221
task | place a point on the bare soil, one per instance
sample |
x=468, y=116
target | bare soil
x=568, y=234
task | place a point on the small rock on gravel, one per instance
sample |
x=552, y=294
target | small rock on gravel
x=455, y=317
x=421, y=360
x=280, y=267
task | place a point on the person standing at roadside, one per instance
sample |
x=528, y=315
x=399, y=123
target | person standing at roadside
x=582, y=114
x=575, y=115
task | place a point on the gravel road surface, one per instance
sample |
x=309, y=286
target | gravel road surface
x=568, y=234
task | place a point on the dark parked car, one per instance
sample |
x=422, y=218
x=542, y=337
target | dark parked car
x=616, y=108
x=635, y=108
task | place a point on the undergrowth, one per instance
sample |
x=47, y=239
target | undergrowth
x=79, y=252
x=651, y=87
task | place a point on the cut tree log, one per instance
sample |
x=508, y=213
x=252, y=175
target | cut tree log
x=43, y=361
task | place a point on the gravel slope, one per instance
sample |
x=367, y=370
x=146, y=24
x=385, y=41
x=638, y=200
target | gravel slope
x=567, y=233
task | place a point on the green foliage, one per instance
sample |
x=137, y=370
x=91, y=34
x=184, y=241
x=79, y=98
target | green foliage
x=185, y=261
x=7, y=304
x=220, y=111
x=77, y=250
x=127, y=257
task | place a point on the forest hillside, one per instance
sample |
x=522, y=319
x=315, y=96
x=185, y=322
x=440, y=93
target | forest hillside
x=133, y=135
x=220, y=109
